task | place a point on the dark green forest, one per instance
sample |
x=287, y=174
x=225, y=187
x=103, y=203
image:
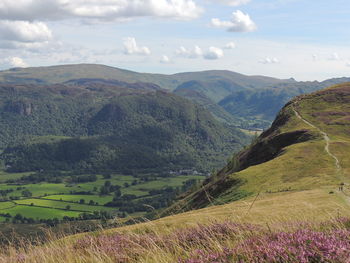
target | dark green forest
x=99, y=126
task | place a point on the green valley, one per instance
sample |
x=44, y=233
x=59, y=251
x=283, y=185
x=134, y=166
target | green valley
x=113, y=194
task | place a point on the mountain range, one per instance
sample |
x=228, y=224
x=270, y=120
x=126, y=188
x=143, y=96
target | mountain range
x=250, y=102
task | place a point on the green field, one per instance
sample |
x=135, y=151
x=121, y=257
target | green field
x=62, y=205
x=40, y=213
x=50, y=200
x=5, y=205
x=39, y=190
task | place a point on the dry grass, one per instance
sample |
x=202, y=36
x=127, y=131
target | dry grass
x=206, y=233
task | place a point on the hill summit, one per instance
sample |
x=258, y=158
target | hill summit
x=306, y=148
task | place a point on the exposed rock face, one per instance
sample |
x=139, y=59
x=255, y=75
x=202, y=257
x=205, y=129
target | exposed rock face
x=20, y=107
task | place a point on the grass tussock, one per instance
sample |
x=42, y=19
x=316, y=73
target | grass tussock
x=208, y=243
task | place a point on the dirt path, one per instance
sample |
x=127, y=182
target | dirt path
x=325, y=137
x=327, y=140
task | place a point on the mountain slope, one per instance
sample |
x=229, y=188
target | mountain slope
x=251, y=106
x=109, y=125
x=306, y=148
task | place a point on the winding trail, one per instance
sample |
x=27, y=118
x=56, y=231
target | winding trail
x=325, y=137
x=327, y=140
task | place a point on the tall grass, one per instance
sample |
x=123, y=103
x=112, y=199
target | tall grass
x=215, y=242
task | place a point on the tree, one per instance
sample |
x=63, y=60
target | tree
x=104, y=190
x=26, y=193
x=68, y=207
x=107, y=176
x=117, y=193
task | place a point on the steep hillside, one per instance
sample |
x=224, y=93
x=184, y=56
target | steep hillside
x=307, y=148
x=108, y=125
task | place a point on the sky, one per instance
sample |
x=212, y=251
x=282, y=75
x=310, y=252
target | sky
x=303, y=39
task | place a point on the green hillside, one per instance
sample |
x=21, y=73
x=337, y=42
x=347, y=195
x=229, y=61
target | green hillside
x=305, y=149
x=99, y=126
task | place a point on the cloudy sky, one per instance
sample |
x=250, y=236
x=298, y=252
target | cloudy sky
x=303, y=39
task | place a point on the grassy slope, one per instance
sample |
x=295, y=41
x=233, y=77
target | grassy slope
x=303, y=168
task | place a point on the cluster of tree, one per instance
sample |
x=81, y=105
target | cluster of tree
x=84, y=178
x=4, y=193
x=55, y=177
x=82, y=192
x=108, y=188
x=160, y=198
x=9, y=198
x=96, y=215
x=83, y=201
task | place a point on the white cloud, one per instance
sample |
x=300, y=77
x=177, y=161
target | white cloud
x=240, y=22
x=182, y=51
x=131, y=47
x=334, y=57
x=18, y=62
x=165, y=60
x=348, y=64
x=230, y=45
x=97, y=9
x=268, y=60
x=232, y=2
x=14, y=62
x=196, y=52
x=213, y=53
x=23, y=31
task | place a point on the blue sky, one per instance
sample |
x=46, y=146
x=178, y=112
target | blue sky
x=303, y=39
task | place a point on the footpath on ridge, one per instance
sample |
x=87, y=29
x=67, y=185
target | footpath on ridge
x=327, y=146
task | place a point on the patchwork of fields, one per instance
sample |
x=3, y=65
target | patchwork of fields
x=59, y=200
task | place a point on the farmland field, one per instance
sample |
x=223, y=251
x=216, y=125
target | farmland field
x=40, y=213
x=62, y=205
x=5, y=205
x=47, y=200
